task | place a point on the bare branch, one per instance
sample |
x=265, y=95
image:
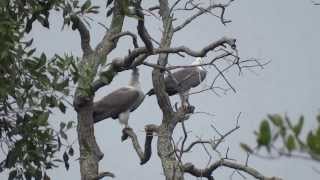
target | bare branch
x=107, y=44
x=201, y=12
x=191, y=169
x=144, y=156
x=315, y=3
x=152, y=8
x=127, y=60
x=195, y=143
x=127, y=33
x=224, y=77
x=104, y=174
x=174, y=5
x=223, y=136
x=84, y=34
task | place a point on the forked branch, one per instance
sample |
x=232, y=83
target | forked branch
x=203, y=11
x=146, y=154
x=207, y=172
x=124, y=63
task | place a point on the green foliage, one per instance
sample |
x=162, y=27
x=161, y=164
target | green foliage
x=72, y=8
x=31, y=85
x=246, y=148
x=285, y=137
x=264, y=135
x=290, y=143
x=313, y=141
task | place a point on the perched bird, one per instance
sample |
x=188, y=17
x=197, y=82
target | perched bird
x=119, y=103
x=181, y=81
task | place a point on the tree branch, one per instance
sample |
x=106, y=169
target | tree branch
x=126, y=33
x=144, y=156
x=191, y=169
x=127, y=60
x=84, y=34
x=142, y=31
x=202, y=11
x=104, y=174
x=107, y=44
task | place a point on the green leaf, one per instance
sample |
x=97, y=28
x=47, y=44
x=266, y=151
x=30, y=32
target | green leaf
x=246, y=148
x=11, y=159
x=71, y=151
x=52, y=101
x=43, y=119
x=59, y=143
x=86, y=5
x=63, y=135
x=12, y=175
x=60, y=86
x=276, y=119
x=31, y=52
x=290, y=144
x=297, y=128
x=109, y=2
x=62, y=107
x=62, y=125
x=264, y=137
x=46, y=177
x=66, y=159
x=29, y=43
x=69, y=125
x=313, y=143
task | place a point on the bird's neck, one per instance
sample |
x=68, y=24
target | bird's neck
x=134, y=82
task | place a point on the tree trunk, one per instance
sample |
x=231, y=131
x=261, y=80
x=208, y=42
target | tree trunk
x=90, y=154
x=170, y=164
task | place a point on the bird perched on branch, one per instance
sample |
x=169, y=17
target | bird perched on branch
x=181, y=81
x=119, y=103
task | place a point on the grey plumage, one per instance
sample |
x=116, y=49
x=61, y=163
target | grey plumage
x=119, y=103
x=183, y=80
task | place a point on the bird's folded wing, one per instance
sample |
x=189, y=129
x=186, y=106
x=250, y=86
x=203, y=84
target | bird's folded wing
x=114, y=103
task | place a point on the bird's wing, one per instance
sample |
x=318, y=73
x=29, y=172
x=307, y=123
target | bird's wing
x=138, y=101
x=114, y=103
x=194, y=79
x=172, y=81
x=187, y=78
x=183, y=80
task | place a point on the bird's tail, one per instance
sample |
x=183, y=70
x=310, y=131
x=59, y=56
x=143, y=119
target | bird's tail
x=151, y=92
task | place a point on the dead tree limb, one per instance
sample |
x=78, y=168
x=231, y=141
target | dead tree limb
x=90, y=153
x=146, y=154
x=123, y=63
x=203, y=11
x=191, y=169
x=127, y=33
x=84, y=34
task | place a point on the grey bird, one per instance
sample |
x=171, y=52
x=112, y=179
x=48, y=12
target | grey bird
x=119, y=103
x=181, y=81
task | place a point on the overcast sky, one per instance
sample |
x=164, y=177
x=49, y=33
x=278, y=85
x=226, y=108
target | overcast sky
x=285, y=32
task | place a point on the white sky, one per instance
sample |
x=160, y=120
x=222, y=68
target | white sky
x=285, y=32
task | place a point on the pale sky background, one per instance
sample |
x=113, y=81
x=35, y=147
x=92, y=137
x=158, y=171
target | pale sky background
x=285, y=32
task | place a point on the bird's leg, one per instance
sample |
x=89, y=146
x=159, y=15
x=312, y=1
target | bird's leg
x=124, y=118
x=184, y=100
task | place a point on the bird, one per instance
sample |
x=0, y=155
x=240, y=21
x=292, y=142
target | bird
x=119, y=103
x=181, y=81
